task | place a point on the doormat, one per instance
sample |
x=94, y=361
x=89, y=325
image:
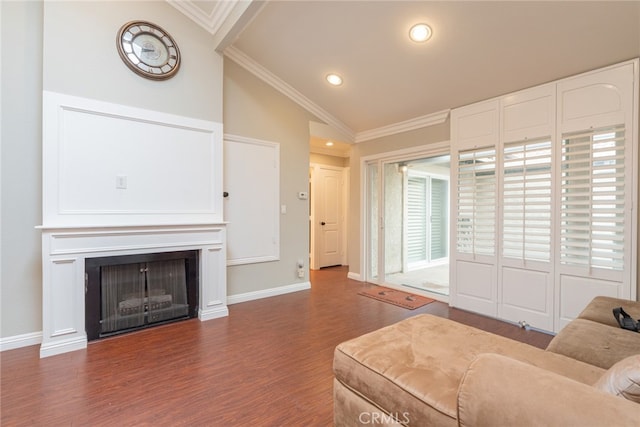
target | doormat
x=396, y=297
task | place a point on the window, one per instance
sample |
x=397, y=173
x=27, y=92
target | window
x=593, y=199
x=526, y=226
x=476, y=217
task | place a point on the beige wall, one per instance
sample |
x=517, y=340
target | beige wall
x=254, y=109
x=70, y=47
x=73, y=35
x=21, y=192
x=324, y=159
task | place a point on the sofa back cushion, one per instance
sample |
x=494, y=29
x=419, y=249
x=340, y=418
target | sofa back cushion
x=622, y=379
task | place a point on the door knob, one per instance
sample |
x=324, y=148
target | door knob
x=322, y=223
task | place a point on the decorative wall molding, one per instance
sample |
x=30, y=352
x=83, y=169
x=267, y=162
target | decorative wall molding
x=252, y=180
x=103, y=164
x=405, y=126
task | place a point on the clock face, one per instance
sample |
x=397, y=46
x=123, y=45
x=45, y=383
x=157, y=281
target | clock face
x=148, y=50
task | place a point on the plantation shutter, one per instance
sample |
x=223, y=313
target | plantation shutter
x=526, y=226
x=476, y=204
x=417, y=219
x=593, y=199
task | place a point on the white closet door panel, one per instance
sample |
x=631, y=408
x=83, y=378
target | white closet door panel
x=596, y=99
x=527, y=295
x=476, y=287
x=475, y=125
x=577, y=292
x=529, y=114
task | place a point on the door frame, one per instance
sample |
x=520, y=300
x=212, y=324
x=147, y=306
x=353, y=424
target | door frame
x=314, y=225
x=441, y=148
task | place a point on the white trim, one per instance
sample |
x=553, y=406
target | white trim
x=314, y=256
x=275, y=255
x=266, y=293
x=271, y=79
x=404, y=126
x=354, y=276
x=211, y=22
x=19, y=341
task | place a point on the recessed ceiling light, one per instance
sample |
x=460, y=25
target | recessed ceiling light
x=334, y=79
x=420, y=33
x=329, y=144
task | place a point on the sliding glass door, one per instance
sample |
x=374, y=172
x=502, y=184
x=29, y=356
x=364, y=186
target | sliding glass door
x=407, y=215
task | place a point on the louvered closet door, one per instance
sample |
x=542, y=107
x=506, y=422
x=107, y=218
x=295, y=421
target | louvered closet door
x=596, y=217
x=526, y=233
x=525, y=280
x=474, y=129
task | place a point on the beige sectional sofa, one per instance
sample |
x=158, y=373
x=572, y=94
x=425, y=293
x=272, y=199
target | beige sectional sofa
x=430, y=371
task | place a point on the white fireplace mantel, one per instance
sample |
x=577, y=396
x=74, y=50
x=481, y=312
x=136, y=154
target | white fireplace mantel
x=64, y=251
x=120, y=180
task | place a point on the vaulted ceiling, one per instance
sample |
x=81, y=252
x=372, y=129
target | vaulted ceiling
x=479, y=50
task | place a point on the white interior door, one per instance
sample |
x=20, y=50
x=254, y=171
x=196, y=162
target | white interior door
x=329, y=216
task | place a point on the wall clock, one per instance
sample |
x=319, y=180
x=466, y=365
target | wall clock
x=148, y=50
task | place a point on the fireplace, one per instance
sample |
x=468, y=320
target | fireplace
x=97, y=208
x=131, y=292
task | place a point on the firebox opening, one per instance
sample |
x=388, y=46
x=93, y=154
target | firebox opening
x=131, y=292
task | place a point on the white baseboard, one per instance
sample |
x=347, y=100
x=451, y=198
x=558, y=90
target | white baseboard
x=35, y=338
x=19, y=341
x=265, y=293
x=354, y=276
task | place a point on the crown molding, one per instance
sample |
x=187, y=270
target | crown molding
x=405, y=126
x=329, y=152
x=211, y=22
x=271, y=79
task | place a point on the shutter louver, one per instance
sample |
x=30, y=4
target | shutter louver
x=476, y=217
x=526, y=230
x=593, y=198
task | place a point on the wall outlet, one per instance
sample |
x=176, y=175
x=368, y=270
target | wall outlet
x=121, y=182
x=301, y=273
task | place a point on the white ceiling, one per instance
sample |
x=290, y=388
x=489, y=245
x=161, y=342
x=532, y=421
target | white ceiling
x=478, y=50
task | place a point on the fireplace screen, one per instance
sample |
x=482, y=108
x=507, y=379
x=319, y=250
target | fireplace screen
x=135, y=295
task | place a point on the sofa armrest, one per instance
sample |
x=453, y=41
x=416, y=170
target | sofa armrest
x=497, y=390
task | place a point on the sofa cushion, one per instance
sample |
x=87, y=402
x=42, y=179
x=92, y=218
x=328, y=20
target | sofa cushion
x=595, y=343
x=622, y=379
x=600, y=310
x=415, y=366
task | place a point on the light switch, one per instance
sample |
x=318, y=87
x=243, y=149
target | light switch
x=283, y=209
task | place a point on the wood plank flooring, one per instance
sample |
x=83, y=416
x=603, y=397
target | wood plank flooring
x=268, y=364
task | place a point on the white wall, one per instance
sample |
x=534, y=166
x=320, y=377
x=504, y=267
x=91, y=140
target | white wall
x=69, y=47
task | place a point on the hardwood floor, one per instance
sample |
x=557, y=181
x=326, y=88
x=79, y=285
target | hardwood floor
x=268, y=364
